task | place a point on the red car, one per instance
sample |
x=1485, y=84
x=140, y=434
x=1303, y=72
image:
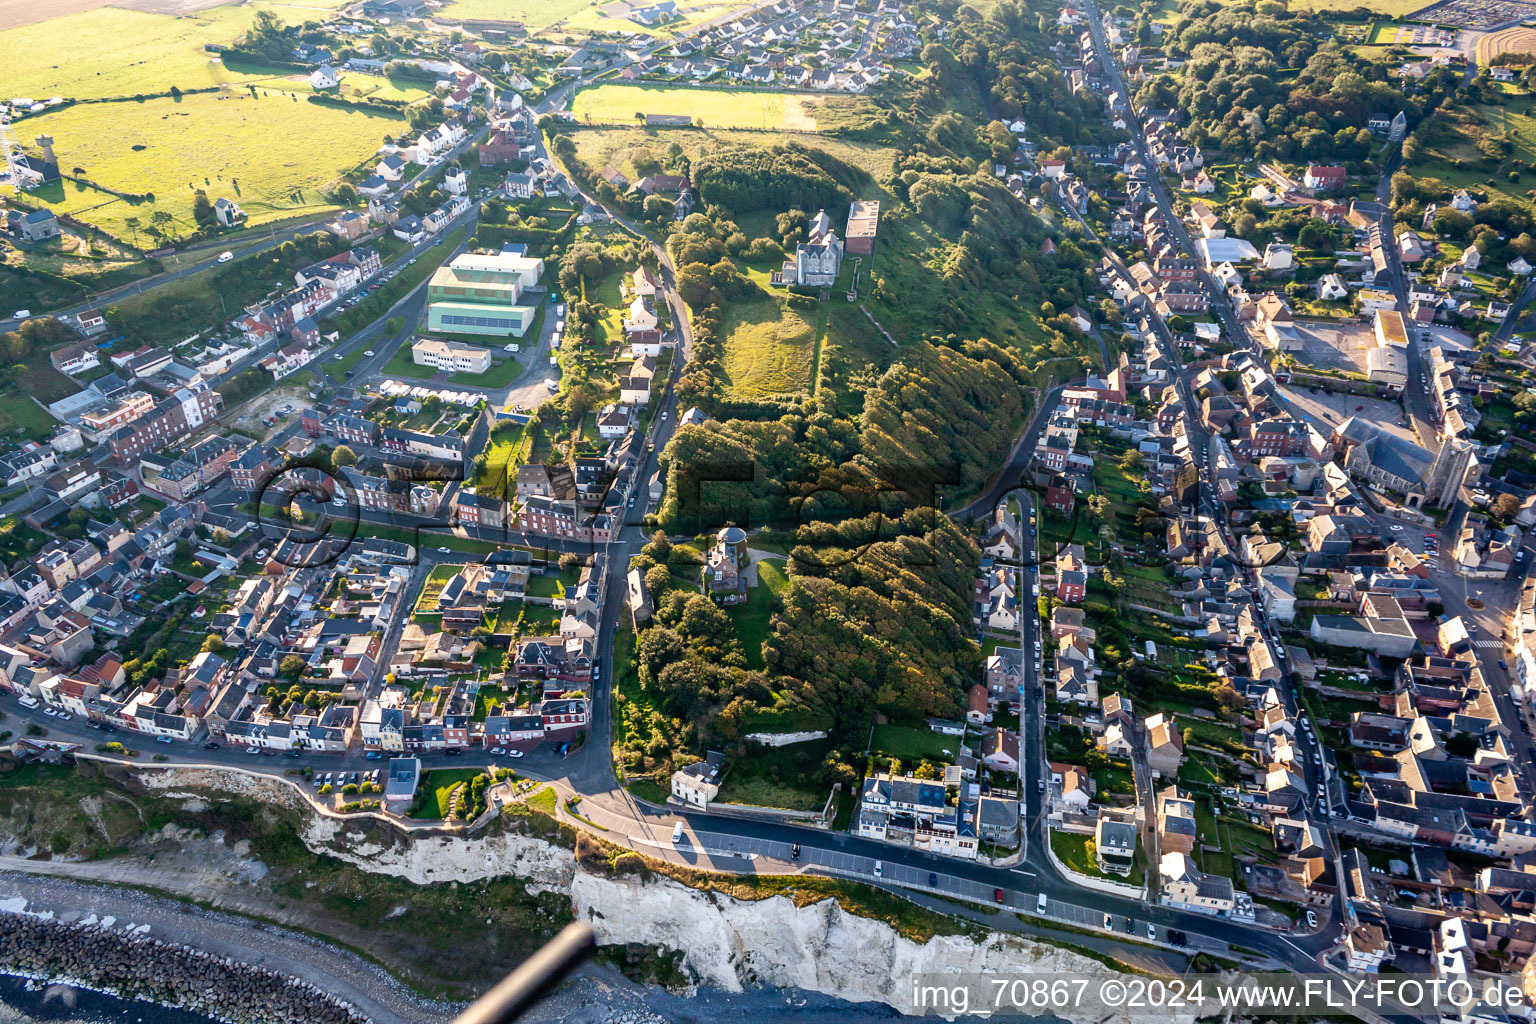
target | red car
x=997, y=894
x=1359, y=407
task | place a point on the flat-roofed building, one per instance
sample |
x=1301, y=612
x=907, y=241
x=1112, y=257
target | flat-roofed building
x=479, y=294
x=863, y=224
x=450, y=356
x=1390, y=328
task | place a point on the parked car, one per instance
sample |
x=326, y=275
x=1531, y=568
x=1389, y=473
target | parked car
x=997, y=894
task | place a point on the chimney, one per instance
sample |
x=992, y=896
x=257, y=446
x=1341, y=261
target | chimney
x=45, y=142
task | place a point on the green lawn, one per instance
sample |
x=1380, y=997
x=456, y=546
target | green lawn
x=779, y=777
x=274, y=153
x=914, y=743
x=553, y=585
x=21, y=414
x=543, y=800
x=1198, y=771
x=713, y=108
x=507, y=449
x=433, y=793
x=627, y=149
x=768, y=349
x=433, y=586
x=1212, y=862
x=403, y=364
x=770, y=573
x=1072, y=850
x=1455, y=137
x=754, y=615
x=502, y=373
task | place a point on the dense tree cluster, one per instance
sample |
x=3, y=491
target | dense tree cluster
x=876, y=617
x=878, y=624
x=747, y=178
x=939, y=417
x=1240, y=93
x=1500, y=227
x=1004, y=61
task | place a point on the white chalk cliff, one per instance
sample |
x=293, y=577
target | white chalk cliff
x=727, y=943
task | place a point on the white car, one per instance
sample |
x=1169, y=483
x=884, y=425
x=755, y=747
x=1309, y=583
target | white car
x=1311, y=919
x=514, y=753
x=445, y=550
x=21, y=314
x=1397, y=527
x=338, y=357
x=368, y=352
x=498, y=751
x=50, y=712
x=226, y=256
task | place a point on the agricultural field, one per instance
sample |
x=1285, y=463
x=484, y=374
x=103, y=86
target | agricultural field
x=272, y=153
x=1384, y=8
x=768, y=349
x=613, y=17
x=625, y=147
x=112, y=51
x=1519, y=39
x=713, y=108
x=534, y=14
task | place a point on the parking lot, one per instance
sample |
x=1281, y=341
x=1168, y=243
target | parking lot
x=1335, y=346
x=1326, y=411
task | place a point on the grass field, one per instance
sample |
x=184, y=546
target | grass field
x=912, y=743
x=112, y=51
x=1072, y=850
x=714, y=108
x=612, y=17
x=508, y=449
x=1512, y=40
x=116, y=52
x=432, y=795
x=753, y=616
x=1385, y=8
x=768, y=349
x=1449, y=141
x=272, y=155
x=622, y=146
x=534, y=14
x=1382, y=34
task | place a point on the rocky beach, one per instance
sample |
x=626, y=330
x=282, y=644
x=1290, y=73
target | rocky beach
x=101, y=954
